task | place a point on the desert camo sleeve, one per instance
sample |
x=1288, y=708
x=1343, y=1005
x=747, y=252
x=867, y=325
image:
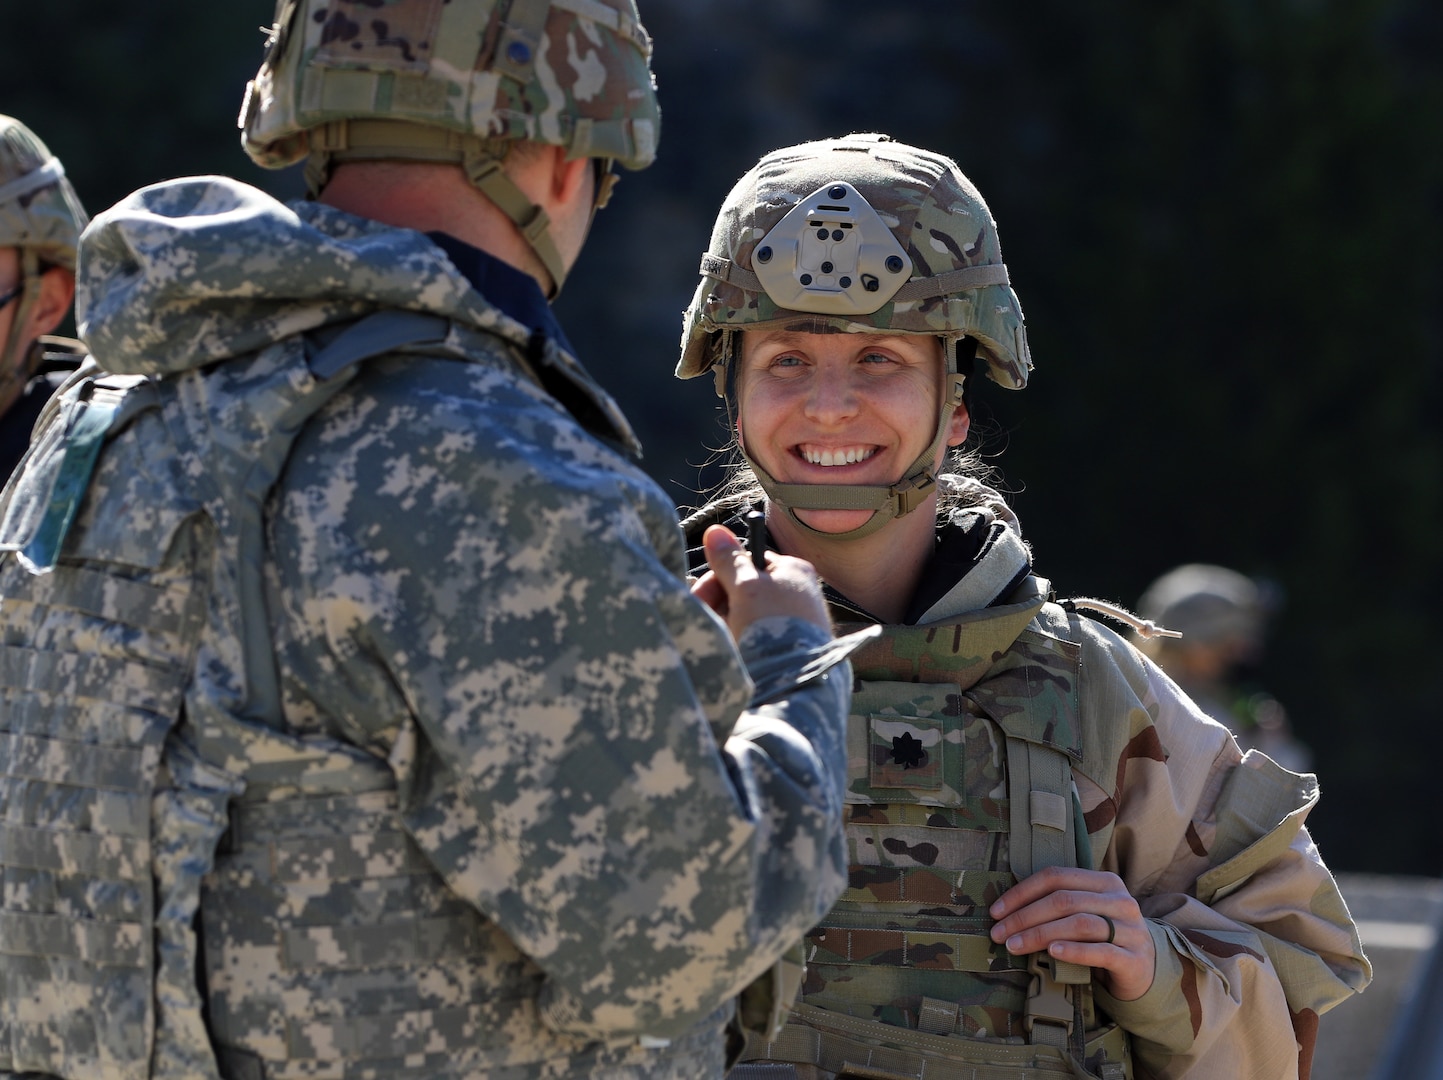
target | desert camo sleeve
x=1253, y=939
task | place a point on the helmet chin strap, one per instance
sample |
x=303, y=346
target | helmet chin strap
x=918, y=481
x=481, y=160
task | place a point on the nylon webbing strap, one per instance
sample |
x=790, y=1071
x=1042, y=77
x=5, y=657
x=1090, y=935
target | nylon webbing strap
x=910, y=948
x=380, y=140
x=618, y=22
x=725, y=270
x=1039, y=789
x=373, y=335
x=385, y=1035
x=937, y=1017
x=131, y=684
x=309, y=858
x=362, y=139
x=95, y=592
x=101, y=944
x=866, y=1048
x=100, y=855
x=834, y=497
x=62, y=762
x=340, y=948
x=968, y=277
x=34, y=180
x=487, y=174
x=953, y=281
x=520, y=39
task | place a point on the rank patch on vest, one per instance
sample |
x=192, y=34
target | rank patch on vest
x=906, y=751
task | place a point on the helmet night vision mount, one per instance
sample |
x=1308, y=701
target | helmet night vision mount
x=831, y=254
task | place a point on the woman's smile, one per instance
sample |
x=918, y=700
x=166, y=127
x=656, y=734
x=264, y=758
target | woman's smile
x=832, y=456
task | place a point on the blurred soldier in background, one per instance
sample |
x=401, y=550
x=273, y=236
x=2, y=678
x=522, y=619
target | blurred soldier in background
x=1222, y=616
x=359, y=721
x=40, y=221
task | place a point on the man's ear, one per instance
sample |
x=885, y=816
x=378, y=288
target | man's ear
x=569, y=177
x=57, y=290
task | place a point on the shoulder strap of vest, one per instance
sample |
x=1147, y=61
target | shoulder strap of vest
x=341, y=349
x=41, y=498
x=342, y=346
x=40, y=502
x=1045, y=830
x=1043, y=826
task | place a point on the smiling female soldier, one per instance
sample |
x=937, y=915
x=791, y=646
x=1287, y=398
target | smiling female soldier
x=1059, y=866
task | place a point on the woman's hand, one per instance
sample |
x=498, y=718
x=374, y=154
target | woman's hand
x=1071, y=913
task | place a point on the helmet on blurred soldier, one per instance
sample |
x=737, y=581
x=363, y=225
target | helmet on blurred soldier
x=41, y=217
x=1207, y=604
x=39, y=210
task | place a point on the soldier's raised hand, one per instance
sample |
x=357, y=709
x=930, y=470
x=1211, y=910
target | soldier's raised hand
x=741, y=594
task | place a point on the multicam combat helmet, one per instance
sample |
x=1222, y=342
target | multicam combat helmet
x=455, y=81
x=857, y=234
x=40, y=216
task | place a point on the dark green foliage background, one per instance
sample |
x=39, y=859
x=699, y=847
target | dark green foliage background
x=1224, y=218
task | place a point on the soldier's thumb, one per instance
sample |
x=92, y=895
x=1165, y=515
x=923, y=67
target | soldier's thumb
x=725, y=555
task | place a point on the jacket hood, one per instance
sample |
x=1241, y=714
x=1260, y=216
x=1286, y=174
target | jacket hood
x=184, y=273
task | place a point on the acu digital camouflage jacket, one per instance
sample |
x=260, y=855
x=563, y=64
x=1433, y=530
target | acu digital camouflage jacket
x=385, y=740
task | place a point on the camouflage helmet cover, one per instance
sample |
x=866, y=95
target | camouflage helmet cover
x=957, y=286
x=39, y=210
x=572, y=73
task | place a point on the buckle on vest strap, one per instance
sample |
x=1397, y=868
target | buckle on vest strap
x=1048, y=1015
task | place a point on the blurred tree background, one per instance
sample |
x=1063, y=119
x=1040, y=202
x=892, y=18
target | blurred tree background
x=1224, y=219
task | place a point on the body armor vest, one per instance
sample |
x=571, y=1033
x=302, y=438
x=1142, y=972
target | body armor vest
x=959, y=783
x=158, y=823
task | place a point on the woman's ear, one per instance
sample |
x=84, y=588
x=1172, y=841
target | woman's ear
x=958, y=426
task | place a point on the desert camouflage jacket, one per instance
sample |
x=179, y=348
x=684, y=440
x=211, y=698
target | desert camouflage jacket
x=518, y=806
x=1253, y=939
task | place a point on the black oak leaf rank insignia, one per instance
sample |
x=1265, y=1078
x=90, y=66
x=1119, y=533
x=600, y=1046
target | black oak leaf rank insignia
x=907, y=751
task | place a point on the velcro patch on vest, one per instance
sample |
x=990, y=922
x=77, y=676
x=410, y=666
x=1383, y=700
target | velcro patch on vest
x=906, y=752
x=923, y=743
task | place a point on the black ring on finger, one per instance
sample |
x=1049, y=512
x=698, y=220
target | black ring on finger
x=1111, y=929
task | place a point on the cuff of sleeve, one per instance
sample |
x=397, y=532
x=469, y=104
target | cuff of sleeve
x=782, y=653
x=1162, y=1015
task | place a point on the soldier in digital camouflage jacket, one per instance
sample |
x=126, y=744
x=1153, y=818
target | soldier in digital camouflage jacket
x=358, y=720
x=1059, y=865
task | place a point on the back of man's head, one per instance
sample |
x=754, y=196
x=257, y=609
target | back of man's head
x=455, y=81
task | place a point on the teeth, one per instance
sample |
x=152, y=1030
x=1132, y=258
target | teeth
x=837, y=457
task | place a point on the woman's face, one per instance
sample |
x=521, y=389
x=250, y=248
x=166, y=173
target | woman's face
x=840, y=409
